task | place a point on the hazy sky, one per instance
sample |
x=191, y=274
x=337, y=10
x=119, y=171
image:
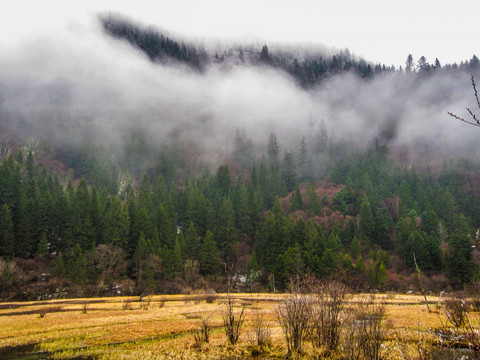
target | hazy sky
x=380, y=31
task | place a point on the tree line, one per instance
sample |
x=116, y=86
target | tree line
x=254, y=224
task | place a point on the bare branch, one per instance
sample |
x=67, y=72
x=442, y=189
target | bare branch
x=462, y=119
x=476, y=120
x=475, y=91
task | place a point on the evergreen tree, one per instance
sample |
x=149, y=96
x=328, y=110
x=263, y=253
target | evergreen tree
x=76, y=268
x=165, y=229
x=273, y=152
x=242, y=149
x=223, y=179
x=460, y=264
x=117, y=224
x=140, y=259
x=409, y=63
x=208, y=256
x=177, y=253
x=43, y=248
x=367, y=224
x=192, y=243
x=296, y=202
x=7, y=236
x=289, y=172
x=304, y=162
x=314, y=205
x=265, y=56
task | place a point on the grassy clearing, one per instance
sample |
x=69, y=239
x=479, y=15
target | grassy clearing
x=163, y=327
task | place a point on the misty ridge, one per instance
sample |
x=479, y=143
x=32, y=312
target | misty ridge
x=87, y=89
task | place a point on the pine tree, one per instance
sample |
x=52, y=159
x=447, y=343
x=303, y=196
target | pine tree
x=314, y=205
x=367, y=223
x=223, y=179
x=265, y=56
x=296, y=202
x=208, y=256
x=192, y=243
x=166, y=230
x=43, y=247
x=177, y=253
x=460, y=264
x=76, y=268
x=6, y=232
x=305, y=163
x=140, y=259
x=117, y=224
x=289, y=171
x=273, y=152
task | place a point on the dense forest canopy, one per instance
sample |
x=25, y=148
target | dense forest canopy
x=197, y=169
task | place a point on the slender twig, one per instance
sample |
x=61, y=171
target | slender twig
x=475, y=91
x=476, y=121
x=419, y=276
x=462, y=119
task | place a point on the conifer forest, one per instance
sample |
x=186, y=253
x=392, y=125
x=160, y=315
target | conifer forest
x=353, y=175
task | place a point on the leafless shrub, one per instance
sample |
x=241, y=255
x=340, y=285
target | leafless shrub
x=9, y=275
x=456, y=311
x=127, y=304
x=329, y=302
x=261, y=330
x=458, y=334
x=295, y=315
x=365, y=331
x=42, y=314
x=187, y=294
x=233, y=324
x=162, y=301
x=145, y=302
x=210, y=297
x=202, y=335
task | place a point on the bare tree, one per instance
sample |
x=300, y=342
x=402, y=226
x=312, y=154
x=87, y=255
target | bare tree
x=295, y=317
x=261, y=329
x=475, y=121
x=202, y=335
x=233, y=324
x=329, y=306
x=366, y=331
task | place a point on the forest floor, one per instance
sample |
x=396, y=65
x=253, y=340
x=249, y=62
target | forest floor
x=163, y=327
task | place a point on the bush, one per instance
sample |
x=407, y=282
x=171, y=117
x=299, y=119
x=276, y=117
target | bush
x=365, y=331
x=233, y=325
x=295, y=315
x=261, y=330
x=202, y=335
x=329, y=302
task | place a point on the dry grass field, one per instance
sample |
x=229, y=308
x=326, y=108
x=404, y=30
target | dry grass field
x=163, y=327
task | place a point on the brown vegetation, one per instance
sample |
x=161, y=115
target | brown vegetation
x=389, y=326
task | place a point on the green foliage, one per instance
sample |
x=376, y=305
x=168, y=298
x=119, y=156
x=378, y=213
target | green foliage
x=6, y=232
x=239, y=212
x=76, y=268
x=296, y=202
x=289, y=171
x=460, y=264
x=209, y=263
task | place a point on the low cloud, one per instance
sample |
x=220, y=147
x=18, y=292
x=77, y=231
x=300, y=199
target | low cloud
x=83, y=84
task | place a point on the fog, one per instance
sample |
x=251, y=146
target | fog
x=83, y=86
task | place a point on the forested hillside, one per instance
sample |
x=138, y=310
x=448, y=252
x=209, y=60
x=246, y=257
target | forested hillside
x=308, y=68
x=133, y=175
x=365, y=218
